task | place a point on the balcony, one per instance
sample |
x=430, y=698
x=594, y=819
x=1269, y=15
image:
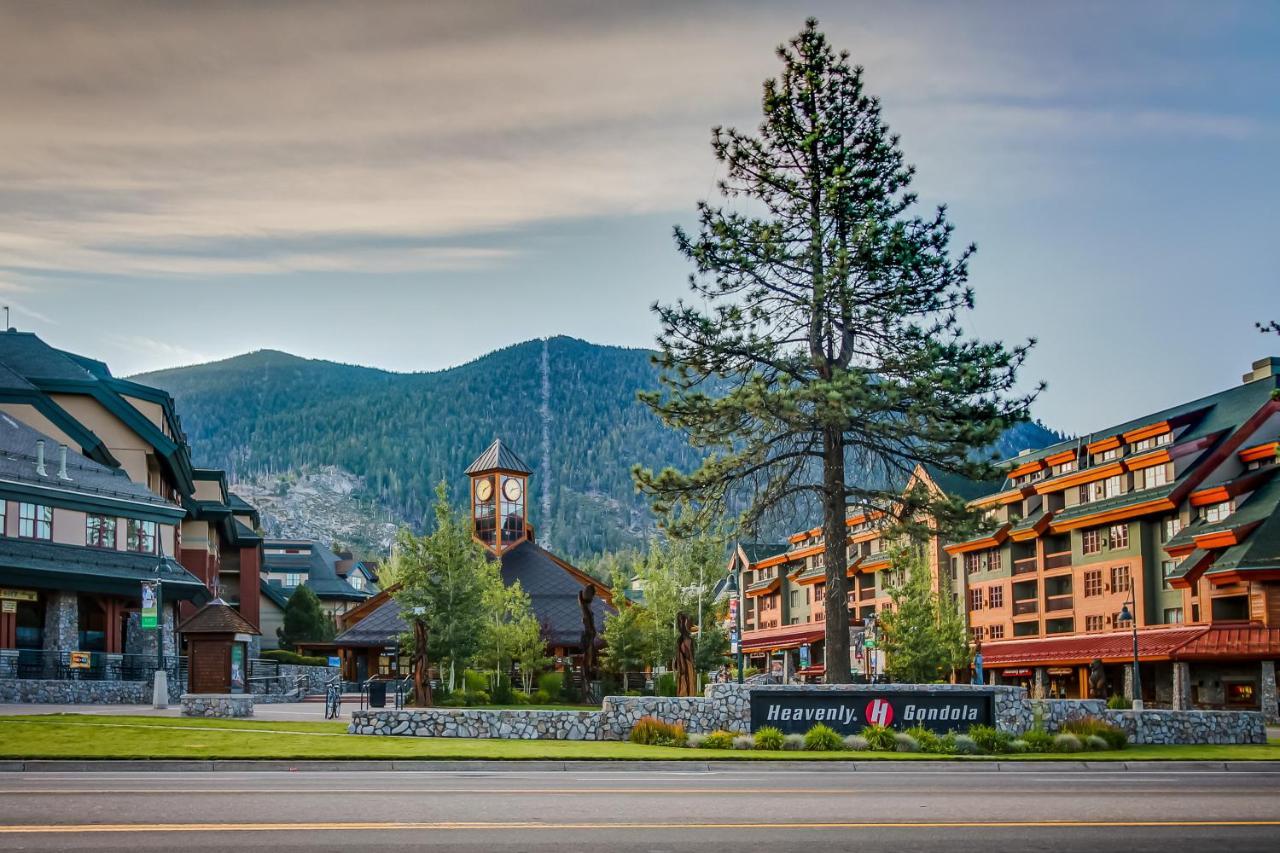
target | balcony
x=1023, y=608
x=1055, y=603
x=1024, y=566
x=1060, y=560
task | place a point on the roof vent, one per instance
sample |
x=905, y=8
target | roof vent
x=1263, y=368
x=1026, y=451
x=62, y=463
x=40, y=472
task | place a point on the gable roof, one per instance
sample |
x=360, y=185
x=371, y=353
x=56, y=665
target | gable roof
x=318, y=563
x=498, y=457
x=217, y=617
x=51, y=565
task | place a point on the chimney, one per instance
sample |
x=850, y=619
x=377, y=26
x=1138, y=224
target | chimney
x=40, y=472
x=1263, y=368
x=62, y=463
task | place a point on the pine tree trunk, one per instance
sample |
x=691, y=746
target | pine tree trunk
x=421, y=679
x=836, y=559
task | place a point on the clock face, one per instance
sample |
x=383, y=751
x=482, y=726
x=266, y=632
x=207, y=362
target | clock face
x=484, y=490
x=511, y=489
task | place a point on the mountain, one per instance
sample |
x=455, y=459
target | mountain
x=568, y=407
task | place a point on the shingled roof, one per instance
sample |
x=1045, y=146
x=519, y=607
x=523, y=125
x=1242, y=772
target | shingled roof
x=217, y=617
x=498, y=457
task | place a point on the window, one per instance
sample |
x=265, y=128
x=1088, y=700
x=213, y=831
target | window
x=976, y=632
x=1166, y=571
x=795, y=598
x=1216, y=512
x=1111, y=486
x=1164, y=438
x=35, y=521
x=1108, y=455
x=1093, y=623
x=100, y=531
x=993, y=560
x=972, y=563
x=1119, y=536
x=1093, y=583
x=1172, y=527
x=357, y=582
x=995, y=597
x=1120, y=580
x=3, y=509
x=996, y=632
x=1156, y=475
x=1173, y=616
x=1144, y=444
x=975, y=599
x=1066, y=467
x=140, y=536
x=1091, y=542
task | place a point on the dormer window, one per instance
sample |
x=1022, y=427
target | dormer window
x=1214, y=513
x=35, y=521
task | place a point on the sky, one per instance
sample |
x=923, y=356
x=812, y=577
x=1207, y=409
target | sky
x=412, y=185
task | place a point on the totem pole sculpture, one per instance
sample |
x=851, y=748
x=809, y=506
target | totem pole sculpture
x=686, y=674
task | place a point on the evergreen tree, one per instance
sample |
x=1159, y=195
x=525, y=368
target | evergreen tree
x=920, y=636
x=446, y=581
x=823, y=357
x=304, y=620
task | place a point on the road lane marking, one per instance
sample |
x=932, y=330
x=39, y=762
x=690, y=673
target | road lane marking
x=365, y=826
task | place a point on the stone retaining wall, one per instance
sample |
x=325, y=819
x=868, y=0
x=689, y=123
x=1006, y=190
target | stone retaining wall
x=54, y=691
x=727, y=706
x=221, y=705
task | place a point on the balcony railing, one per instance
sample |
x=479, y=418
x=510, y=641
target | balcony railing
x=1059, y=602
x=1060, y=560
x=1024, y=566
x=1022, y=608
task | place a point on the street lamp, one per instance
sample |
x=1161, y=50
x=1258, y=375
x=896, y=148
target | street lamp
x=735, y=620
x=1131, y=617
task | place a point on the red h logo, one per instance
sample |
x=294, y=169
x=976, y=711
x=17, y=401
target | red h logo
x=879, y=712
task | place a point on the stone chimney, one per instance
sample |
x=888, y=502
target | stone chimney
x=1264, y=368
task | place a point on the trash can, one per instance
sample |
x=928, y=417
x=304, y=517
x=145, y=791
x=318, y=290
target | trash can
x=377, y=694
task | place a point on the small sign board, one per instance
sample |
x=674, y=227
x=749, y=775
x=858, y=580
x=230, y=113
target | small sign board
x=8, y=606
x=334, y=660
x=79, y=660
x=150, y=605
x=18, y=595
x=848, y=712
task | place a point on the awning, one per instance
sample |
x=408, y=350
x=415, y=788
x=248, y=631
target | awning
x=816, y=669
x=1194, y=642
x=790, y=637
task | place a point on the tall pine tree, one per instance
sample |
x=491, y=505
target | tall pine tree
x=822, y=357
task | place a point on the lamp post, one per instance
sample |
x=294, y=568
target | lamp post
x=1132, y=618
x=735, y=620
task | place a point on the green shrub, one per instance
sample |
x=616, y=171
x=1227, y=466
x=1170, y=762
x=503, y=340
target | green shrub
x=927, y=739
x=653, y=732
x=906, y=743
x=540, y=697
x=1084, y=727
x=1019, y=745
x=472, y=698
x=822, y=738
x=695, y=741
x=857, y=743
x=286, y=656
x=990, y=739
x=965, y=745
x=1067, y=742
x=1093, y=743
x=1038, y=740
x=474, y=682
x=1119, y=703
x=793, y=742
x=718, y=740
x=502, y=690
x=451, y=700
x=551, y=684
x=519, y=697
x=665, y=684
x=744, y=742
x=880, y=738
x=947, y=744
x=767, y=737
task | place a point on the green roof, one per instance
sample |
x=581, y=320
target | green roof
x=1118, y=502
x=1261, y=504
x=51, y=565
x=1260, y=551
x=757, y=551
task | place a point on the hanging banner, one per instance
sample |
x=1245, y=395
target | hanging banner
x=733, y=626
x=804, y=656
x=150, y=605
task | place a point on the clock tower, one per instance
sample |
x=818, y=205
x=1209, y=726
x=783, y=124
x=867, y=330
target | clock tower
x=499, y=508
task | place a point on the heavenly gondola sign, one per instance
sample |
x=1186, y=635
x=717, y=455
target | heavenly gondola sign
x=797, y=711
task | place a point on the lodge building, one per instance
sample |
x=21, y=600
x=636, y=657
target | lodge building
x=1170, y=518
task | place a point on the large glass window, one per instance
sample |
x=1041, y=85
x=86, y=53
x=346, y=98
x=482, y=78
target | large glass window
x=1119, y=536
x=512, y=510
x=35, y=521
x=140, y=536
x=483, y=511
x=100, y=531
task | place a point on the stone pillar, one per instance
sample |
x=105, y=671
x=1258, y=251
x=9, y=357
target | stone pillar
x=62, y=622
x=1270, y=713
x=1181, y=686
x=1128, y=682
x=1040, y=687
x=134, y=638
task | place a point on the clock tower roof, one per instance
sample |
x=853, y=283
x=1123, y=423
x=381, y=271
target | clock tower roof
x=498, y=457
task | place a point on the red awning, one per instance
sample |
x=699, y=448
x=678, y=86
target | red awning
x=1192, y=642
x=816, y=669
x=789, y=637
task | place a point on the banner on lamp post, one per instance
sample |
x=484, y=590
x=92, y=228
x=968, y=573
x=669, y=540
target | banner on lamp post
x=150, y=605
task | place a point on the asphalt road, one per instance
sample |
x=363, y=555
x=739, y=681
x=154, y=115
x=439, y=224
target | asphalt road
x=557, y=812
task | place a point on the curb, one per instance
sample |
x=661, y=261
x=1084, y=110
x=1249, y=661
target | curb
x=883, y=766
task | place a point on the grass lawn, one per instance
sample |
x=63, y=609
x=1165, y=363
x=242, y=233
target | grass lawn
x=92, y=736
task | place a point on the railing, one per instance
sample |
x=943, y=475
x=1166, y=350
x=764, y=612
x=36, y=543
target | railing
x=1021, y=608
x=1025, y=566
x=1060, y=560
x=84, y=666
x=395, y=691
x=1059, y=602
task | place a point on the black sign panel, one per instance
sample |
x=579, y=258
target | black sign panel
x=797, y=711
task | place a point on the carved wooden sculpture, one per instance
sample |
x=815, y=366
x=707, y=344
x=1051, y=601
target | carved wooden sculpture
x=686, y=674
